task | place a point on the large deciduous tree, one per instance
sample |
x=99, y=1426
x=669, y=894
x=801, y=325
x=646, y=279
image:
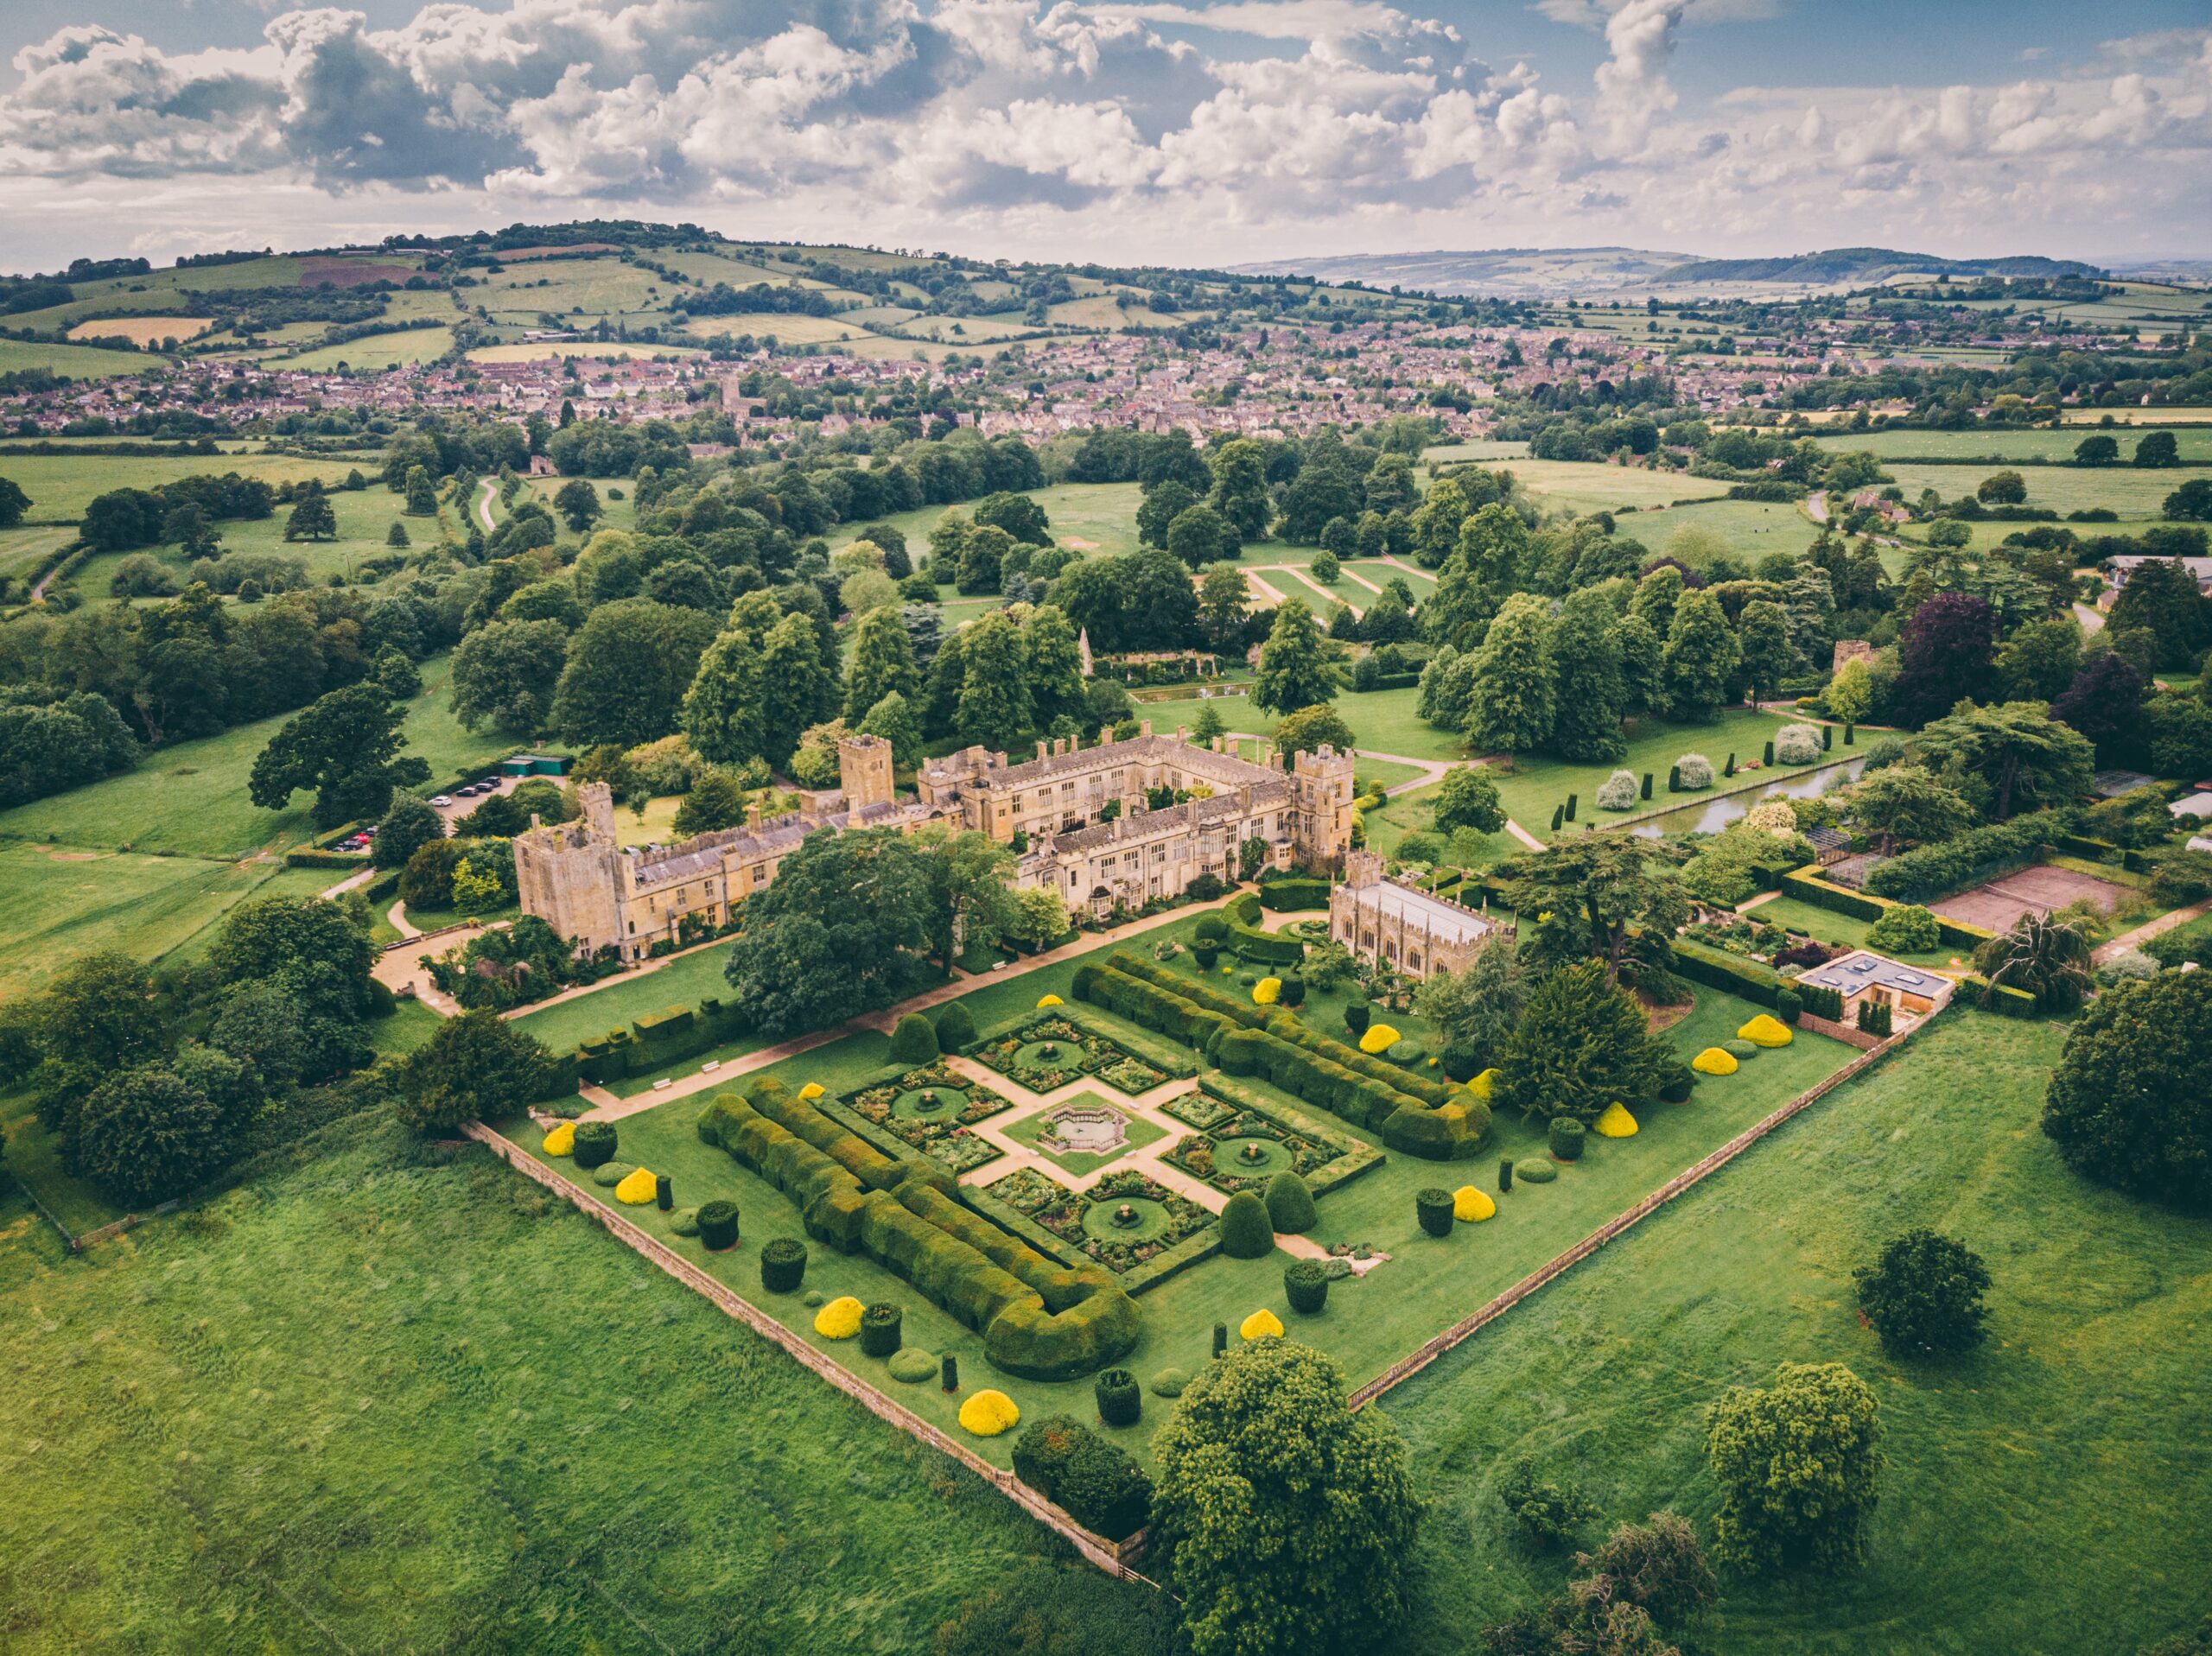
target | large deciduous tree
x=1285, y=1522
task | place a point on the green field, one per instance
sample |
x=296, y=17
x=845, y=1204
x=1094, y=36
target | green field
x=191, y=799
x=2023, y=1483
x=392, y=1401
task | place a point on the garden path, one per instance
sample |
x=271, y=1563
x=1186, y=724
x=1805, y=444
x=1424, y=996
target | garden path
x=2144, y=933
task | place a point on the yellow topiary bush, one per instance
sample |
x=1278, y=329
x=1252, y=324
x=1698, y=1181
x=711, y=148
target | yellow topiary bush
x=1051, y=1000
x=1715, y=1061
x=1471, y=1206
x=638, y=1185
x=1261, y=1322
x=1380, y=1037
x=1615, y=1123
x=987, y=1413
x=561, y=1140
x=1483, y=1085
x=1766, y=1029
x=1267, y=991
x=840, y=1319
x=812, y=1089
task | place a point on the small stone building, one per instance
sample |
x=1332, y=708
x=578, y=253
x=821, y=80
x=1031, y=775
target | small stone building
x=1391, y=923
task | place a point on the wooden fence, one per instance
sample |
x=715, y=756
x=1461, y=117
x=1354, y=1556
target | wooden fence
x=1414, y=1361
x=1116, y=1558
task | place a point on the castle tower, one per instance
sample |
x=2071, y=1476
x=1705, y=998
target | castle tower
x=1320, y=797
x=864, y=771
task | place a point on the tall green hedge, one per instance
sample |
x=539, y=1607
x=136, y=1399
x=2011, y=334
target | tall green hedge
x=1039, y=1320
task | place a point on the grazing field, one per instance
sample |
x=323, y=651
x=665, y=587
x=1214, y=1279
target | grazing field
x=191, y=799
x=395, y=1401
x=2130, y=491
x=2022, y=1482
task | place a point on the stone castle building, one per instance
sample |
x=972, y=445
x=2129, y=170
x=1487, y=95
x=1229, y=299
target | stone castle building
x=1394, y=925
x=1076, y=818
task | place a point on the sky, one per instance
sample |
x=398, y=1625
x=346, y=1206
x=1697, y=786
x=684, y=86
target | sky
x=1119, y=131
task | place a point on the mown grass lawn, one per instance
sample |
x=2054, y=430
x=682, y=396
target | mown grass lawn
x=2024, y=1485
x=391, y=1401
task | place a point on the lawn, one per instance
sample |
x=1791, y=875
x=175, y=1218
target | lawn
x=1427, y=1285
x=1538, y=783
x=399, y=1400
x=191, y=799
x=2022, y=1483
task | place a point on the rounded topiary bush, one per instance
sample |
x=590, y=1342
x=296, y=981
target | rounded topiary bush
x=1121, y=1400
x=1693, y=773
x=956, y=1026
x=594, y=1143
x=913, y=1043
x=1566, y=1138
x=1433, y=1208
x=607, y=1175
x=1245, y=1232
x=1535, y=1171
x=684, y=1222
x=1305, y=1285
x=880, y=1331
x=1169, y=1383
x=1618, y=792
x=1797, y=743
x=783, y=1265
x=911, y=1366
x=1290, y=1204
x=718, y=1224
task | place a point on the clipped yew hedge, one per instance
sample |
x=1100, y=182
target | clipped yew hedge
x=1040, y=1319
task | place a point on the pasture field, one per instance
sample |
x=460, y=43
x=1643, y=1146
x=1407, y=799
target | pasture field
x=362, y=1400
x=1425, y=1285
x=2000, y=446
x=2022, y=1482
x=372, y=350
x=190, y=800
x=2132, y=491
x=74, y=361
x=1585, y=486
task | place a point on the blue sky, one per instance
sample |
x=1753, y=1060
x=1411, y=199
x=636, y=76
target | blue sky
x=1118, y=129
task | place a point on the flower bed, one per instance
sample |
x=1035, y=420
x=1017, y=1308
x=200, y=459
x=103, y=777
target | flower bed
x=943, y=1134
x=1089, y=1221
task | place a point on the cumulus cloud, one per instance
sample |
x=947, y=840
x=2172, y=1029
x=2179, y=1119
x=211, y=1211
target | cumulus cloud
x=1244, y=116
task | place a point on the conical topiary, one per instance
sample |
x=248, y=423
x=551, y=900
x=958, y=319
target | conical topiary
x=913, y=1043
x=1245, y=1232
x=1290, y=1203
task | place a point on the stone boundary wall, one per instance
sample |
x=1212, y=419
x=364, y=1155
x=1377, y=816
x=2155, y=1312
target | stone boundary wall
x=1414, y=1361
x=1116, y=1558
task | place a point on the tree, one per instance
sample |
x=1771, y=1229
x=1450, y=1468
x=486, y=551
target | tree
x=2158, y=448
x=1588, y=698
x=721, y=711
x=477, y=1067
x=1294, y=669
x=1799, y=1464
x=1923, y=1295
x=1906, y=802
x=628, y=668
x=1578, y=1046
x=1223, y=602
x=1513, y=702
x=1944, y=657
x=2130, y=1102
x=346, y=747
x=1608, y=883
x=994, y=704
x=1286, y=1521
x=409, y=823
x=1200, y=535
x=312, y=518
x=504, y=675
x=882, y=664
x=1310, y=728
x=14, y=502
x=1474, y=1009
x=2041, y=955
x=836, y=935
x=1700, y=658
x=2008, y=758
x=1466, y=798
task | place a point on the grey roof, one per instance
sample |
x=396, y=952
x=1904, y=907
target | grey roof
x=1860, y=970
